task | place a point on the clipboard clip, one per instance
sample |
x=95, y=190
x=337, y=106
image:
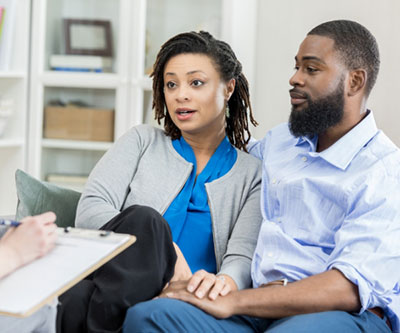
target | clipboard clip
x=85, y=233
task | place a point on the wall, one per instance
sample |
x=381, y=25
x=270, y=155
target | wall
x=282, y=26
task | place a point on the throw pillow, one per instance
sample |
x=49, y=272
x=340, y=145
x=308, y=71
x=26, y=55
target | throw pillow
x=36, y=197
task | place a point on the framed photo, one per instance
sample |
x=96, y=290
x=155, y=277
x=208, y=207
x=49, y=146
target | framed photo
x=88, y=37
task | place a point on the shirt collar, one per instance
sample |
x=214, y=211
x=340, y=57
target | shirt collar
x=342, y=152
x=310, y=140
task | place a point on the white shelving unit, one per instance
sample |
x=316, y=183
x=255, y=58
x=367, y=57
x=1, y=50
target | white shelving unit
x=139, y=27
x=12, y=75
x=102, y=90
x=13, y=90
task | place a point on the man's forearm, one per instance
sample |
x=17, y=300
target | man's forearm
x=323, y=292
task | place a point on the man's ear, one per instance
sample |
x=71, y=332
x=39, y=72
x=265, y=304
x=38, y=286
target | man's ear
x=357, y=81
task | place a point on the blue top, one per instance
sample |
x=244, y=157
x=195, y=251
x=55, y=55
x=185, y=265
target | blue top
x=339, y=208
x=189, y=214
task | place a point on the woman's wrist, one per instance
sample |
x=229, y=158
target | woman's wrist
x=228, y=280
x=10, y=259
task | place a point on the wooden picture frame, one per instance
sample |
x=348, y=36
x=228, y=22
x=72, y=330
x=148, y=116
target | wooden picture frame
x=88, y=37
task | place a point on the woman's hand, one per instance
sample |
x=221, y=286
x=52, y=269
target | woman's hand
x=203, y=283
x=222, y=307
x=182, y=269
x=32, y=239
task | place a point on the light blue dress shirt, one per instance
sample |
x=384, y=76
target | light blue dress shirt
x=339, y=208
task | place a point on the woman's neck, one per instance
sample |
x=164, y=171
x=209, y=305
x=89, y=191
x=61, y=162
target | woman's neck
x=205, y=143
x=204, y=146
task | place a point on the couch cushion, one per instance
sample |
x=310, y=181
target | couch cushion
x=36, y=197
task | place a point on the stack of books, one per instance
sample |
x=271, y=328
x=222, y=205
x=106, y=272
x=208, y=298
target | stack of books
x=80, y=63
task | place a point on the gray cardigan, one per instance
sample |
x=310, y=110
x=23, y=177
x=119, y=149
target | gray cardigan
x=143, y=168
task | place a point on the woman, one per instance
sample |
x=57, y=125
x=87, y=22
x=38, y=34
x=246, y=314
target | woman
x=206, y=190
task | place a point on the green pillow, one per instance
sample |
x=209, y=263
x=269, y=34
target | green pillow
x=36, y=197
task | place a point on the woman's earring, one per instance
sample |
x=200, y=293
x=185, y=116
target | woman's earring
x=227, y=114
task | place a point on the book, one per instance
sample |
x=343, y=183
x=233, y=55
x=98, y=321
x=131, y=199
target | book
x=83, y=63
x=7, y=33
x=78, y=252
x=2, y=15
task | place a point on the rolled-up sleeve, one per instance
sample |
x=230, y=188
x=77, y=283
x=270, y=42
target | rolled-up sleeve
x=367, y=249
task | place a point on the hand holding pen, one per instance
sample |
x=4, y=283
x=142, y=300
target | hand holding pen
x=9, y=223
x=27, y=240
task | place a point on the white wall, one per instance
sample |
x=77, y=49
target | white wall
x=282, y=26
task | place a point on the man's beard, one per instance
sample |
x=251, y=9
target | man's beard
x=319, y=115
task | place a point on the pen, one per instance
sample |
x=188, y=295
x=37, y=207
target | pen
x=9, y=223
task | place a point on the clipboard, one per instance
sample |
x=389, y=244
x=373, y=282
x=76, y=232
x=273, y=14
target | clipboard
x=78, y=252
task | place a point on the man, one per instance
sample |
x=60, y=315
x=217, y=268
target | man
x=20, y=245
x=328, y=255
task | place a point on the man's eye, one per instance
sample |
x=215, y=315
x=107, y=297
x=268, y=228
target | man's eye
x=197, y=83
x=170, y=85
x=312, y=70
x=296, y=68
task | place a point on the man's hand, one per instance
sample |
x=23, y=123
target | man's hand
x=32, y=239
x=222, y=307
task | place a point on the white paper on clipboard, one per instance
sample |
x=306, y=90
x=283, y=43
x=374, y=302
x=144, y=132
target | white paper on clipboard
x=77, y=253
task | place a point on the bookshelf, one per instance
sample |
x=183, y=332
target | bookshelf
x=139, y=27
x=13, y=99
x=12, y=75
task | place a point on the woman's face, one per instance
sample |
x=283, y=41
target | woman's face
x=195, y=95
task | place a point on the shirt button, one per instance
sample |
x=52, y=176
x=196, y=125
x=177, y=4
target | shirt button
x=270, y=254
x=274, y=181
x=304, y=159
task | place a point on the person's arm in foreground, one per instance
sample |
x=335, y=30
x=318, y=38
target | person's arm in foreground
x=323, y=292
x=34, y=238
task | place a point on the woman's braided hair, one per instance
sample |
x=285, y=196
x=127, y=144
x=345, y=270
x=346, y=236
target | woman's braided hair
x=228, y=67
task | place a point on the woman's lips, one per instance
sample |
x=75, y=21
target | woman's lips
x=184, y=114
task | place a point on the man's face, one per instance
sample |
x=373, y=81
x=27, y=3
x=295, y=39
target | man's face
x=317, y=96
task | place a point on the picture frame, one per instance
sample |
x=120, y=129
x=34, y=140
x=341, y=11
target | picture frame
x=88, y=37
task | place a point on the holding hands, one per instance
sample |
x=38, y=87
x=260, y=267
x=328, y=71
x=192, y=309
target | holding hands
x=194, y=288
x=221, y=307
x=200, y=283
x=203, y=283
